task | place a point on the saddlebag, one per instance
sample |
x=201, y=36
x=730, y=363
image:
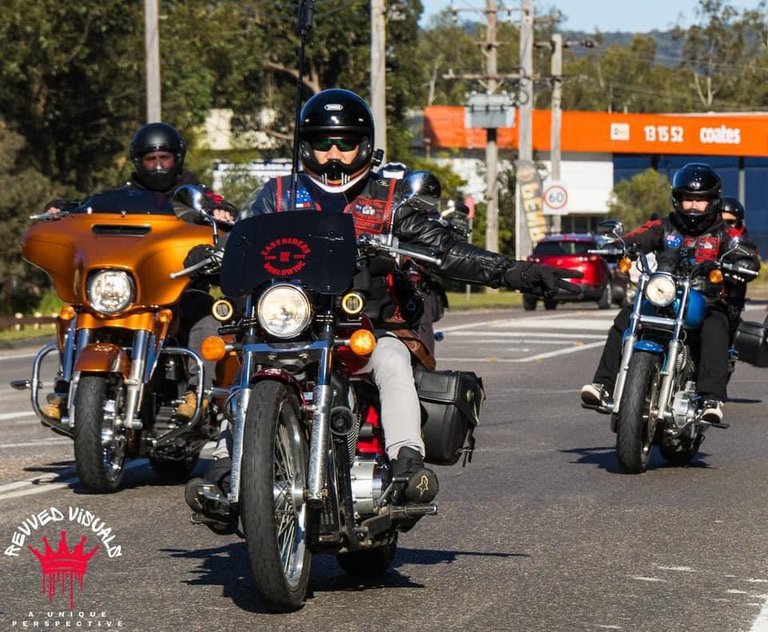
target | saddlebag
x=751, y=343
x=450, y=410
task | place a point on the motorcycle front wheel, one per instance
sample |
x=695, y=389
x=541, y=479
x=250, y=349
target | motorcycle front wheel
x=634, y=427
x=99, y=443
x=273, y=511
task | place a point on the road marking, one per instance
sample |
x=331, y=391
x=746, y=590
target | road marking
x=18, y=356
x=534, y=358
x=761, y=623
x=24, y=413
x=34, y=442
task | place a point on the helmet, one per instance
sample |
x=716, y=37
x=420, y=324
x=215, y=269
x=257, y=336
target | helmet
x=734, y=207
x=696, y=180
x=336, y=112
x=156, y=137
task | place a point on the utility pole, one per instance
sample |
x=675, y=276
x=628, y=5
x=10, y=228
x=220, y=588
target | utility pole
x=491, y=146
x=525, y=135
x=378, y=73
x=557, y=116
x=152, y=55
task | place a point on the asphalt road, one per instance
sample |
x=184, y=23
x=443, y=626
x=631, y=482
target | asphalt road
x=539, y=532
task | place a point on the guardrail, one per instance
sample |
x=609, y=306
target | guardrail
x=19, y=322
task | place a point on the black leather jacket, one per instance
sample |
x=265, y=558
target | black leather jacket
x=371, y=205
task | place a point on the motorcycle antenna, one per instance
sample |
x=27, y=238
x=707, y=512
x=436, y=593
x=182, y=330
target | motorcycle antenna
x=306, y=11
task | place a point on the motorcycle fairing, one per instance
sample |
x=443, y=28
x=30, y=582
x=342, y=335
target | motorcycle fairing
x=316, y=249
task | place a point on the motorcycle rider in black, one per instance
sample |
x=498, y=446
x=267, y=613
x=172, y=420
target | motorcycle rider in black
x=336, y=150
x=157, y=152
x=693, y=231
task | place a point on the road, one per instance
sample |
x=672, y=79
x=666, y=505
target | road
x=539, y=532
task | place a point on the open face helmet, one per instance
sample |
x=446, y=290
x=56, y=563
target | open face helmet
x=339, y=117
x=157, y=137
x=696, y=181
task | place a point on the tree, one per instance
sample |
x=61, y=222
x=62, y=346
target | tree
x=634, y=201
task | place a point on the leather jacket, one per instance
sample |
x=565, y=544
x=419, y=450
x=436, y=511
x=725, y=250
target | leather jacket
x=371, y=204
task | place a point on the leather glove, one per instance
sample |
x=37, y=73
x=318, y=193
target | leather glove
x=540, y=279
x=198, y=254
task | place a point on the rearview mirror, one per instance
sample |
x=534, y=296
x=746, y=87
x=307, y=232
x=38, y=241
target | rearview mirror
x=611, y=227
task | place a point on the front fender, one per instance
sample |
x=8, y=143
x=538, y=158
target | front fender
x=650, y=346
x=103, y=357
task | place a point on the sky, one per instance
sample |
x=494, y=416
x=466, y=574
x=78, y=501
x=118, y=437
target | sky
x=636, y=16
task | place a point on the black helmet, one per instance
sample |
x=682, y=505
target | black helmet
x=157, y=137
x=336, y=112
x=696, y=180
x=734, y=207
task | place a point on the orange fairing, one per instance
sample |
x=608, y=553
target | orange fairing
x=103, y=357
x=150, y=247
x=147, y=320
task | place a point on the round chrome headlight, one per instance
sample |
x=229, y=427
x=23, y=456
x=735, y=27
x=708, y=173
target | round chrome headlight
x=661, y=290
x=284, y=311
x=110, y=291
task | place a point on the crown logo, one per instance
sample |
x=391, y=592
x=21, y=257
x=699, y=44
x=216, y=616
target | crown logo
x=63, y=566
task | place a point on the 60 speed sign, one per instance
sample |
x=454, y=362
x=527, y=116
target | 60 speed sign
x=555, y=197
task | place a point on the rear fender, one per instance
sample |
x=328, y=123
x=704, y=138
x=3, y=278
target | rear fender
x=103, y=357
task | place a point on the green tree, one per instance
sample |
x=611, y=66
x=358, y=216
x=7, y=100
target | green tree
x=633, y=201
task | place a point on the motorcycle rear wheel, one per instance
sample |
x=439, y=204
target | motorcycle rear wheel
x=634, y=429
x=273, y=512
x=99, y=444
x=368, y=562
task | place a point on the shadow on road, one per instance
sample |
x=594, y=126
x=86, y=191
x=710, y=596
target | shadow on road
x=605, y=459
x=227, y=566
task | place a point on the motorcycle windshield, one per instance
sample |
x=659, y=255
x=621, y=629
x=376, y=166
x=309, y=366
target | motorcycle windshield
x=317, y=249
x=127, y=201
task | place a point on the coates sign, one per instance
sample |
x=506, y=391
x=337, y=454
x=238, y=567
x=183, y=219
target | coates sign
x=62, y=544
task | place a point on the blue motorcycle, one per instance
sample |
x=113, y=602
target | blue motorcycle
x=655, y=399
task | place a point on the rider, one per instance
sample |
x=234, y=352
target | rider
x=157, y=151
x=694, y=230
x=336, y=148
x=732, y=212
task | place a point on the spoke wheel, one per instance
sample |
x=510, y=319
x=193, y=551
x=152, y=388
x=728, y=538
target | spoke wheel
x=634, y=428
x=100, y=444
x=273, y=510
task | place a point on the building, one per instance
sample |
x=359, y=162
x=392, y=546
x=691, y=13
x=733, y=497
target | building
x=599, y=149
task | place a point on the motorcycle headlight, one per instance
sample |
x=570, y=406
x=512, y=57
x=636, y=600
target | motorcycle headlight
x=661, y=290
x=110, y=291
x=284, y=311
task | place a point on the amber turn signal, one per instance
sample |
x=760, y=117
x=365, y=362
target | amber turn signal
x=165, y=316
x=715, y=276
x=67, y=312
x=624, y=264
x=362, y=342
x=213, y=348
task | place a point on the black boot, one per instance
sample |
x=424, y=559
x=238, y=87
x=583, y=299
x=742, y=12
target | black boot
x=415, y=483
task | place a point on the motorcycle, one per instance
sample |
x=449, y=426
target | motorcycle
x=112, y=260
x=654, y=399
x=309, y=471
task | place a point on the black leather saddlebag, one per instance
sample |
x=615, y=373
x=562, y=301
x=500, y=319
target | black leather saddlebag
x=751, y=343
x=450, y=411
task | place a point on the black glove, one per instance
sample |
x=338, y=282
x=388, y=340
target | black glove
x=196, y=255
x=541, y=279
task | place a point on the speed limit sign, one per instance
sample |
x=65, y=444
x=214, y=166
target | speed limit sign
x=555, y=198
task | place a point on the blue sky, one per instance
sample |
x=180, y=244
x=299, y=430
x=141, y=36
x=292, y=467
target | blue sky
x=637, y=16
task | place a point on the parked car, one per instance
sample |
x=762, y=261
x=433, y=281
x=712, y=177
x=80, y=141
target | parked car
x=602, y=282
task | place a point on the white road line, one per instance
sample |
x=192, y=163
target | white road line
x=527, y=335
x=540, y=356
x=35, y=442
x=760, y=624
x=22, y=413
x=18, y=356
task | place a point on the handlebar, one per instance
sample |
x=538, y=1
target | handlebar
x=382, y=243
x=215, y=258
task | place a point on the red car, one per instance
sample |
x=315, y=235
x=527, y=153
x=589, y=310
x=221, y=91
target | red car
x=601, y=282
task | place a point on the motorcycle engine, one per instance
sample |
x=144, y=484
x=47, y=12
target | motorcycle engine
x=367, y=485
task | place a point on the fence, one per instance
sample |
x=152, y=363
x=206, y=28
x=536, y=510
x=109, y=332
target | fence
x=18, y=322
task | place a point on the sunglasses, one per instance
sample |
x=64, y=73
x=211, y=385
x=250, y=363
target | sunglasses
x=731, y=222
x=344, y=143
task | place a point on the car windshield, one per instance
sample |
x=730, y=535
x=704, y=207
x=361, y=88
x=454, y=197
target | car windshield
x=560, y=248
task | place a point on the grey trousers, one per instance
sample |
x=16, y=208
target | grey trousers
x=390, y=363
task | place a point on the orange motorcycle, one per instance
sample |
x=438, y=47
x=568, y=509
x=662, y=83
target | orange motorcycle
x=115, y=261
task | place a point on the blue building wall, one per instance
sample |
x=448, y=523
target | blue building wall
x=755, y=196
